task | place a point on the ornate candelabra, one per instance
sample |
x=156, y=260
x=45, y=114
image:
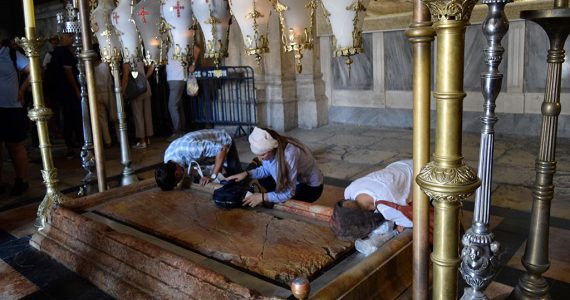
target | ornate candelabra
x=40, y=114
x=532, y=285
x=480, y=254
x=111, y=54
x=421, y=36
x=447, y=179
x=68, y=22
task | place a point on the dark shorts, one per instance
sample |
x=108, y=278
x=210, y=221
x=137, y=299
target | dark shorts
x=13, y=125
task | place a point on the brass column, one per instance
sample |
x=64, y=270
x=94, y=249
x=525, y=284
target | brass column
x=532, y=285
x=447, y=179
x=421, y=35
x=88, y=56
x=40, y=114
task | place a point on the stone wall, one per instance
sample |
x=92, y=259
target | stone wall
x=384, y=98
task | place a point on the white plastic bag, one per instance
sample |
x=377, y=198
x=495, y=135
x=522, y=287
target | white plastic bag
x=376, y=239
x=192, y=87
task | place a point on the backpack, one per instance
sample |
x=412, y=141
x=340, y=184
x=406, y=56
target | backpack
x=231, y=194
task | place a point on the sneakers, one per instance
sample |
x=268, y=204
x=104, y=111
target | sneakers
x=140, y=145
x=19, y=187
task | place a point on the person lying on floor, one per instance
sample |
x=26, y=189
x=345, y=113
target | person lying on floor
x=198, y=146
x=288, y=169
x=385, y=191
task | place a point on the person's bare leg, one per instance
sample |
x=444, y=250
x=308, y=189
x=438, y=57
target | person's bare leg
x=19, y=157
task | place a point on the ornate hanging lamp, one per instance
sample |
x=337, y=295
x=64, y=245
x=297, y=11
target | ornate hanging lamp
x=153, y=31
x=127, y=33
x=252, y=17
x=297, y=23
x=347, y=40
x=214, y=18
x=178, y=15
x=110, y=48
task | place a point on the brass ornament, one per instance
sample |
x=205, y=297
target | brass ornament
x=450, y=184
x=454, y=10
x=288, y=36
x=31, y=47
x=40, y=114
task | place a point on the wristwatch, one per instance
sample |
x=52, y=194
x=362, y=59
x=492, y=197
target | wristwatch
x=214, y=176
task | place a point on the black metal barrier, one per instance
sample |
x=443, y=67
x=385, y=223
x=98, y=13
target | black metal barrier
x=226, y=96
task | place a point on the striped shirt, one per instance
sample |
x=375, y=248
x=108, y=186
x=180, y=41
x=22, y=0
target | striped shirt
x=197, y=145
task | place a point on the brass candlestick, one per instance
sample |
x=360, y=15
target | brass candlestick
x=447, y=179
x=532, y=284
x=40, y=114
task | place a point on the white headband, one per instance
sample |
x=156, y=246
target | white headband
x=260, y=141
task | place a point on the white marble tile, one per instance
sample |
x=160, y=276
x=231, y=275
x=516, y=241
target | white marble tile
x=359, y=76
x=397, y=61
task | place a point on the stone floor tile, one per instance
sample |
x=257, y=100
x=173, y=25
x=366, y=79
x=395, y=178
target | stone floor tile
x=511, y=196
x=340, y=169
x=516, y=157
x=19, y=222
x=351, y=140
x=368, y=156
x=559, y=255
x=392, y=144
x=12, y=284
x=514, y=175
x=498, y=291
x=310, y=136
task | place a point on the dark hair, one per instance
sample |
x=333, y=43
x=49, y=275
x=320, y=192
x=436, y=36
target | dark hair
x=282, y=170
x=165, y=176
x=5, y=37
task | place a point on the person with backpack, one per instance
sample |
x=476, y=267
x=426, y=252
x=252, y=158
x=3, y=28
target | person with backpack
x=288, y=169
x=197, y=147
x=13, y=115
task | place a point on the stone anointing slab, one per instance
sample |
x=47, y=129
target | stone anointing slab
x=276, y=248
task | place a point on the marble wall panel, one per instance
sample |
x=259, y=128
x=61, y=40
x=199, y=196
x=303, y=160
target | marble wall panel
x=398, y=61
x=474, y=64
x=536, y=47
x=361, y=71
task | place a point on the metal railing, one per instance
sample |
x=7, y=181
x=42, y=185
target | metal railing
x=226, y=97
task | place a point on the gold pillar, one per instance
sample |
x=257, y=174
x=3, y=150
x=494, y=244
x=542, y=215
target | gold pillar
x=40, y=114
x=88, y=56
x=447, y=179
x=421, y=35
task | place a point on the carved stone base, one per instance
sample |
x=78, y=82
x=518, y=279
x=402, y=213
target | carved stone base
x=92, y=237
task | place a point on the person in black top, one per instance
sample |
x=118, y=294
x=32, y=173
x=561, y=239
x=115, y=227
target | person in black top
x=67, y=92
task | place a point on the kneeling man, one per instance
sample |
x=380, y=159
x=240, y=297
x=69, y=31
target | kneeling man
x=198, y=146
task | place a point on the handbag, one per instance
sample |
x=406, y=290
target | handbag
x=192, y=87
x=135, y=86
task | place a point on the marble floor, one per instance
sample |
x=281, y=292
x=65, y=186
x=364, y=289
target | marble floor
x=344, y=153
